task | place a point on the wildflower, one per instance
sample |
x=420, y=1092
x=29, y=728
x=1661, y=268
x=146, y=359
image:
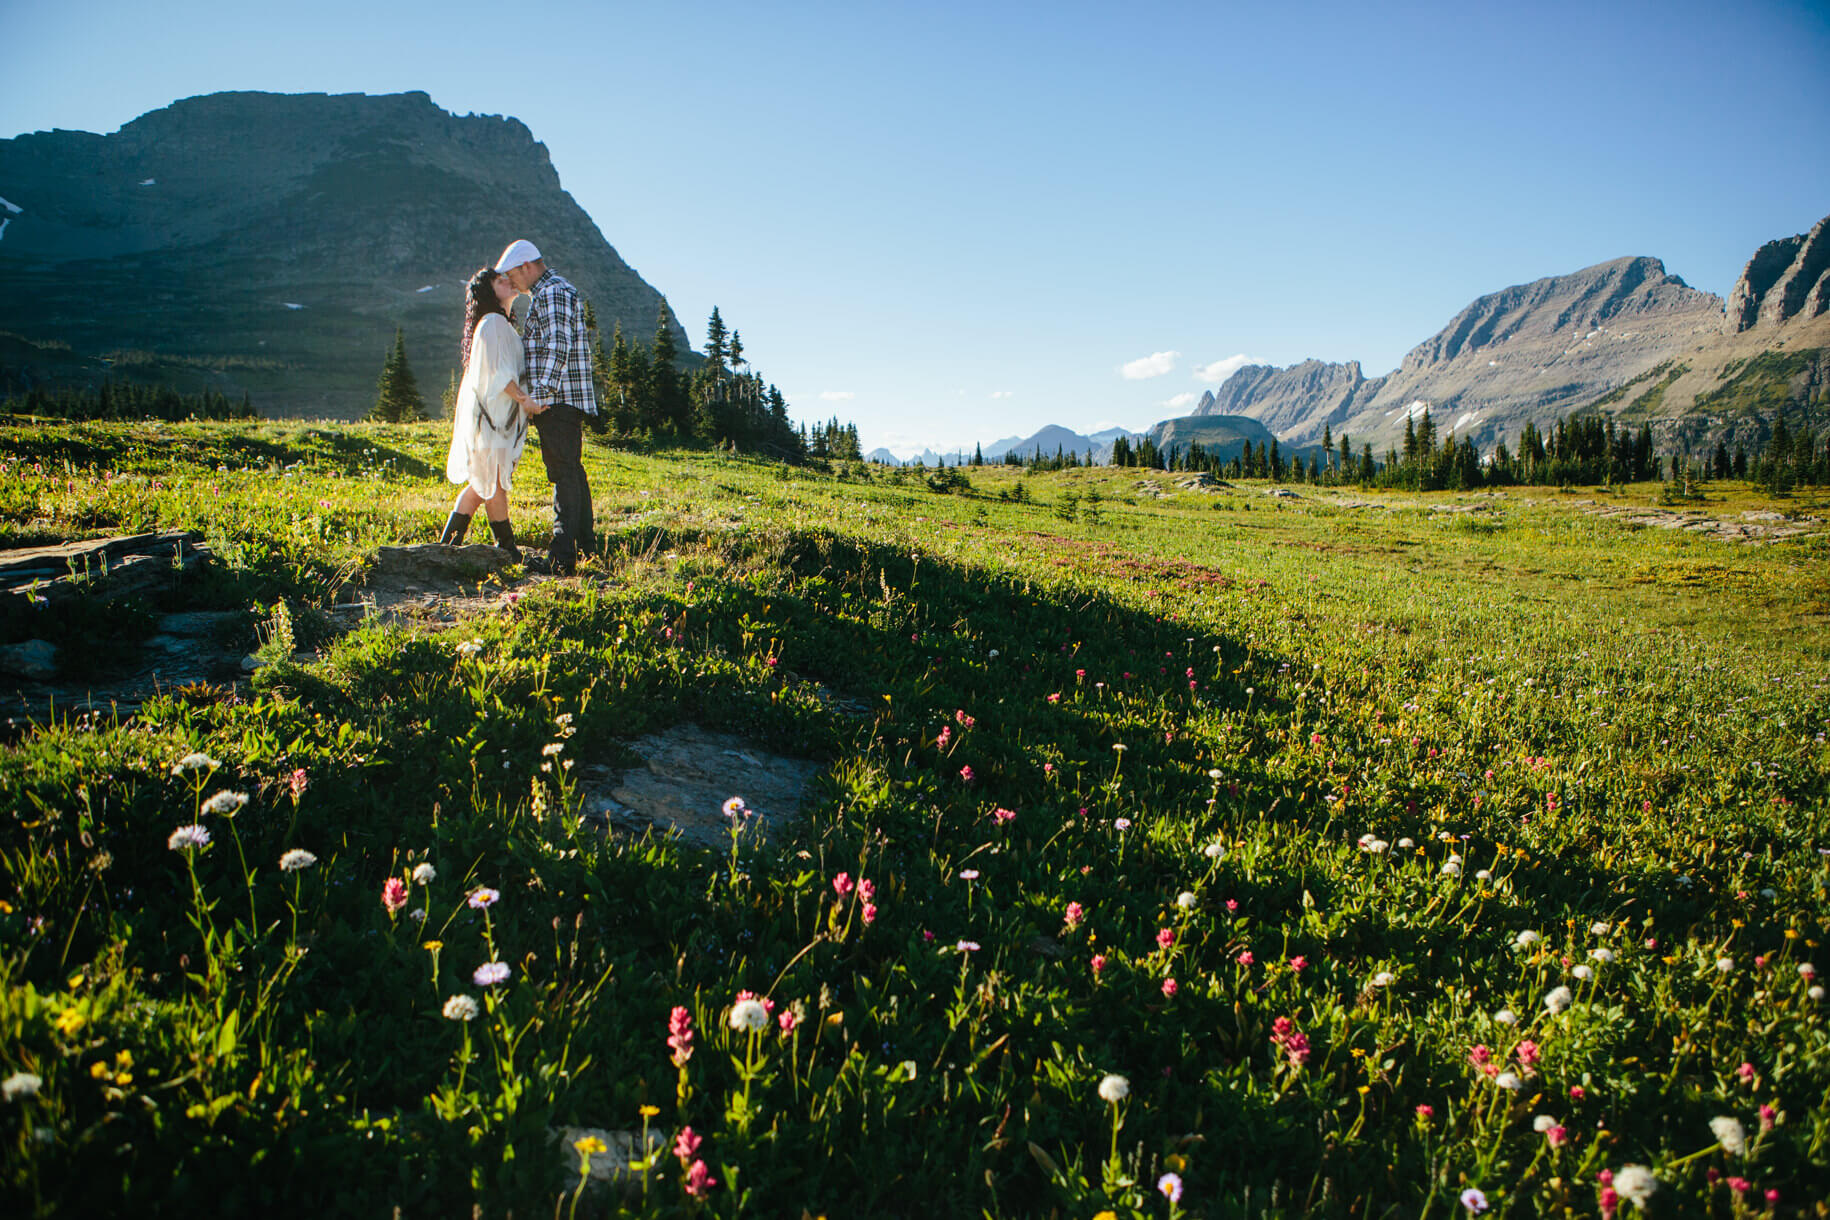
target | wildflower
x=1635, y=1182
x=680, y=1038
x=194, y=762
x=482, y=898
x=968, y=874
x=967, y=946
x=1424, y=1114
x=1725, y=964
x=1480, y=1056
x=226, y=804
x=1165, y=937
x=699, y=1180
x=1099, y=963
x=590, y=1145
x=1384, y=978
x=1509, y=1081
x=296, y=859
x=1451, y=869
x=1557, y=999
x=1378, y=847
x=867, y=890
x=787, y=1019
x=1170, y=988
x=1600, y=927
x=1074, y=914
x=1543, y=1123
x=965, y=721
x=965, y=773
x=1730, y=1134
x=1232, y=906
x=1815, y=993
x=735, y=807
x=296, y=783
x=1556, y=1136
x=1474, y=1200
x=1170, y=1187
x=1114, y=1089
x=946, y=735
x=1583, y=972
x=424, y=874
x=1604, y=956
x=1121, y=824
x=1245, y=957
x=1528, y=1054
x=1214, y=850
x=1609, y=1200
x=188, y=838
x=1577, y=1092
x=1186, y=900
x=749, y=1016
x=1506, y=1016
x=1299, y=963
x=842, y=884
x=21, y=1084
x=394, y=894
x=1768, y=1117
x=460, y=1008
x=470, y=648
x=686, y=1144
x=489, y=974
x=1807, y=971
x=1003, y=815
x=553, y=748
x=868, y=913
x=1406, y=842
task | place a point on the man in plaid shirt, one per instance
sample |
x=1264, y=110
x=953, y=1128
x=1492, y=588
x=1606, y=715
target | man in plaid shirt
x=560, y=384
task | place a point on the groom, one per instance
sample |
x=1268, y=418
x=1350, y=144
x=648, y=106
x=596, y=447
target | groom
x=559, y=380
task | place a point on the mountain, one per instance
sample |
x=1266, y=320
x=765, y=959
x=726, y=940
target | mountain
x=271, y=243
x=1224, y=436
x=1045, y=442
x=1624, y=336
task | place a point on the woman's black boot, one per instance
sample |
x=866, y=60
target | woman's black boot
x=505, y=538
x=455, y=525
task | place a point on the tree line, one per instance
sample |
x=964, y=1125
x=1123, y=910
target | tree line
x=127, y=400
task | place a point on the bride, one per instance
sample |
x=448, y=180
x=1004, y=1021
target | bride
x=489, y=421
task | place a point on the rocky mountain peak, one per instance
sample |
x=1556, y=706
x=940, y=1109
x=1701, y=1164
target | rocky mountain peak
x=1785, y=279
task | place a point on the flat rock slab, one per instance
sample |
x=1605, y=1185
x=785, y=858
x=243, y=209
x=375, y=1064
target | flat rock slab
x=687, y=776
x=109, y=567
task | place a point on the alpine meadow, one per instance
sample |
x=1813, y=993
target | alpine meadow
x=1174, y=846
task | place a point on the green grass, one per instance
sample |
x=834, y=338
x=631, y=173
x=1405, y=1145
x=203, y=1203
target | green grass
x=1606, y=724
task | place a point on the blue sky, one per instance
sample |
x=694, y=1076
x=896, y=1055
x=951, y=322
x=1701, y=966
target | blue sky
x=953, y=222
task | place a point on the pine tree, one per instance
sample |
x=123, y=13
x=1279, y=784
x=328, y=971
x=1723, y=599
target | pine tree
x=715, y=341
x=736, y=349
x=397, y=399
x=671, y=406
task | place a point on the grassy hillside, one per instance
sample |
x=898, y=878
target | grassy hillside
x=1388, y=847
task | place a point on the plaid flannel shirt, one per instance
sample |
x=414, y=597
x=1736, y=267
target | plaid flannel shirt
x=558, y=352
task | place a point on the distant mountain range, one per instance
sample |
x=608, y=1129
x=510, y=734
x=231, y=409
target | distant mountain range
x=270, y=243
x=1044, y=443
x=1625, y=337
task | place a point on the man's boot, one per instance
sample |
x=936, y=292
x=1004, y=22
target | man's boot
x=505, y=538
x=455, y=525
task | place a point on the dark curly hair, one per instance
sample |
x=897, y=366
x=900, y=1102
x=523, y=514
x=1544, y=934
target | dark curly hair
x=479, y=299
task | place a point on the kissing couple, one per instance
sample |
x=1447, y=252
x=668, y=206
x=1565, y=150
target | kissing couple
x=540, y=376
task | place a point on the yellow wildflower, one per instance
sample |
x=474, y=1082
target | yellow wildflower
x=99, y=1069
x=69, y=1021
x=650, y=1111
x=590, y=1145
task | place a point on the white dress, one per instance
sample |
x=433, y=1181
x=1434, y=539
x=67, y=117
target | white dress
x=488, y=428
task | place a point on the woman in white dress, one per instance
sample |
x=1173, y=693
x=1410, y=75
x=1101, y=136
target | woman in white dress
x=489, y=421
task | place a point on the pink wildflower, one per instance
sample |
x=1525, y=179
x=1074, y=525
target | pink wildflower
x=1299, y=963
x=686, y=1144
x=841, y=884
x=946, y=735
x=1099, y=964
x=1577, y=1092
x=1055, y=697
x=1003, y=815
x=788, y=1020
x=1746, y=1072
x=1074, y=914
x=394, y=894
x=965, y=773
x=1480, y=1056
x=1610, y=1202
x=1245, y=957
x=1232, y=906
x=1169, y=987
x=1528, y=1055
x=1740, y=1185
x=868, y=913
x=768, y=1004
x=965, y=721
x=1165, y=937
x=1768, y=1115
x=297, y=784
x=699, y=1180
x=680, y=1036
x=1556, y=1135
x=867, y=890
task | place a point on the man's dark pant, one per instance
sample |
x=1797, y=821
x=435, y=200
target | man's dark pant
x=561, y=431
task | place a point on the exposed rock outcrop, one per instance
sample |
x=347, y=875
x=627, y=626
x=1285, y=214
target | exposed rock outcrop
x=1785, y=279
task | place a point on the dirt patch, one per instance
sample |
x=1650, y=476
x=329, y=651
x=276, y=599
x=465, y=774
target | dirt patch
x=1755, y=526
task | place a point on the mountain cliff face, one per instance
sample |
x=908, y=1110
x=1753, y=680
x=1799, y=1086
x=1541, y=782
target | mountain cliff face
x=271, y=242
x=1624, y=336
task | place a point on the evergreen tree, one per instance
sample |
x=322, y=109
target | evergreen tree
x=978, y=456
x=397, y=399
x=715, y=352
x=736, y=348
x=671, y=406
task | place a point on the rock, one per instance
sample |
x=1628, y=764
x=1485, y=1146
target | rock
x=34, y=660
x=610, y=1167
x=435, y=563
x=122, y=566
x=687, y=776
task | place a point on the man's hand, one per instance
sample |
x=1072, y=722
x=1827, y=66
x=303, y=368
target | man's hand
x=535, y=408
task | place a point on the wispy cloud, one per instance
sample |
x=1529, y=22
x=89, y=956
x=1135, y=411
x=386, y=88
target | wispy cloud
x=1003, y=393
x=837, y=395
x=1177, y=401
x=1220, y=370
x=1146, y=367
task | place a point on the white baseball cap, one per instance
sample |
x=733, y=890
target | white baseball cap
x=518, y=252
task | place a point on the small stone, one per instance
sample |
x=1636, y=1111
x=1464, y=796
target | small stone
x=35, y=660
x=611, y=1166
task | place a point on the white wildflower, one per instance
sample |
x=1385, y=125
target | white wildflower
x=1543, y=1123
x=1451, y=869
x=1558, y=998
x=1384, y=978
x=195, y=762
x=424, y=874
x=460, y=1008
x=1730, y=1134
x=1214, y=850
x=749, y=1015
x=1186, y=900
x=21, y=1084
x=1725, y=964
x=1406, y=842
x=226, y=804
x=296, y=859
x=1509, y=1081
x=1114, y=1089
x=1601, y=927
x=1604, y=956
x=1506, y=1016
x=1636, y=1183
x=1583, y=972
